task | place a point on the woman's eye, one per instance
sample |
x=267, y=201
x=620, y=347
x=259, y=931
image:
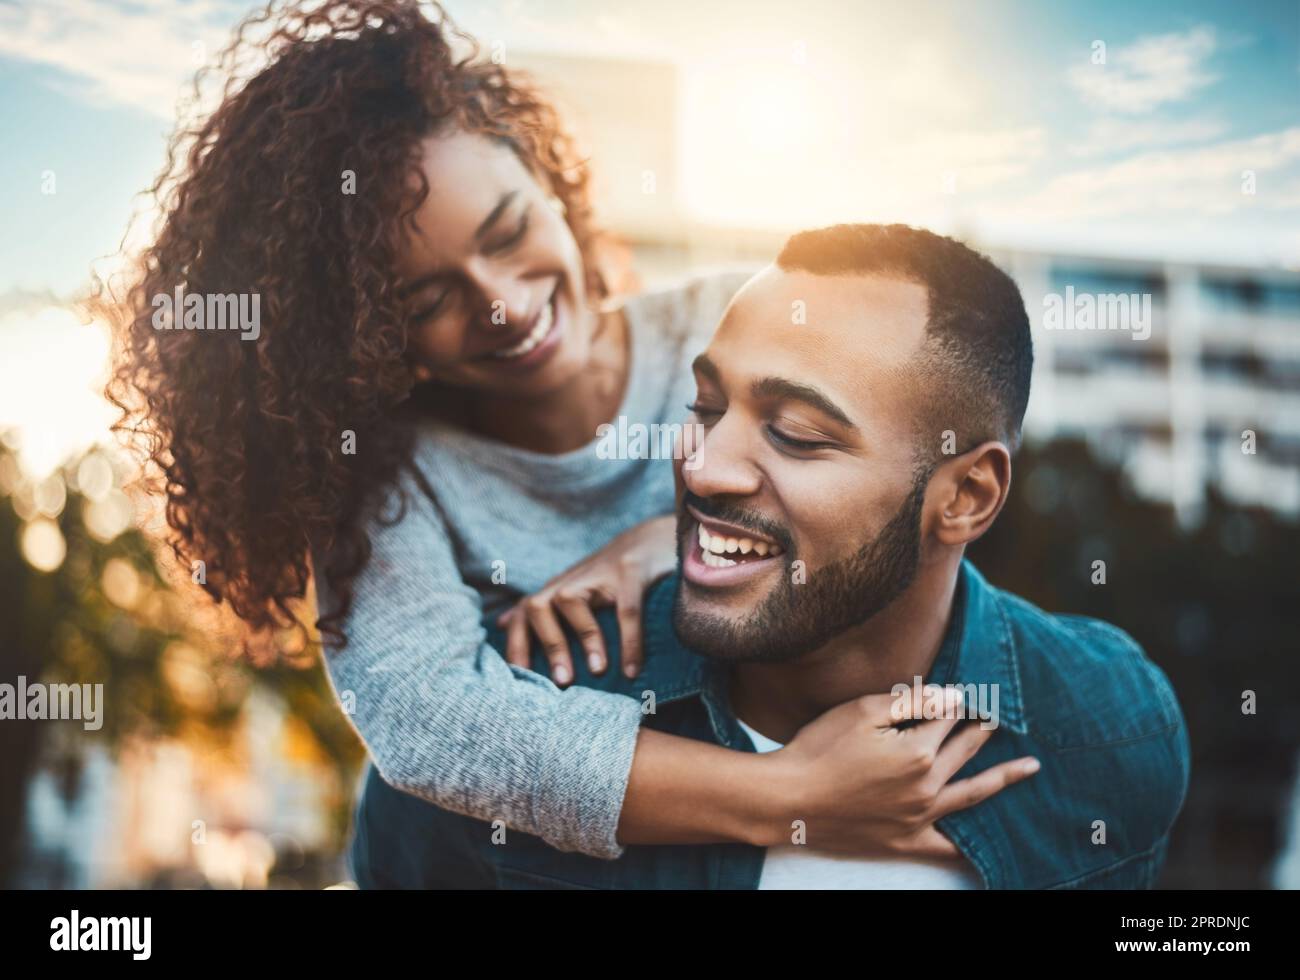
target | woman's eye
x=515, y=237
x=430, y=309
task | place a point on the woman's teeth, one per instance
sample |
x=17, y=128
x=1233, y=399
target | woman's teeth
x=714, y=546
x=545, y=320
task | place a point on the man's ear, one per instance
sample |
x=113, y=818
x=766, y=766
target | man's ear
x=970, y=491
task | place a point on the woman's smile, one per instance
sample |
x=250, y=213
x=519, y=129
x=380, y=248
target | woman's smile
x=537, y=344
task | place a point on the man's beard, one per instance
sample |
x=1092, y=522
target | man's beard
x=794, y=620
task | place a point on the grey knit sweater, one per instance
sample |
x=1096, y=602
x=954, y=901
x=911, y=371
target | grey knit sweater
x=443, y=715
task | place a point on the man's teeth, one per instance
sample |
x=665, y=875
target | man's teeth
x=535, y=336
x=714, y=546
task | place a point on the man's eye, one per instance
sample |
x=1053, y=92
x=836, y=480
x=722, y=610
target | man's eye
x=802, y=445
x=703, y=411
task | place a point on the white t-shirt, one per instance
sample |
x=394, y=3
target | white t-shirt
x=796, y=866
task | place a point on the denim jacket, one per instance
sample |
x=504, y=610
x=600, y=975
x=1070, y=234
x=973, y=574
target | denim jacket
x=1076, y=693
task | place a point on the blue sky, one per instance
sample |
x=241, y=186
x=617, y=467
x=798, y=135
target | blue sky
x=1037, y=145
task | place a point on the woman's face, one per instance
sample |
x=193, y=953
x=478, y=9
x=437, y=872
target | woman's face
x=493, y=275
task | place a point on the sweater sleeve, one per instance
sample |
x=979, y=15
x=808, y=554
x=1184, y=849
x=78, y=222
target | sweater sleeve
x=447, y=719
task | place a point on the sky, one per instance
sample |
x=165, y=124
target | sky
x=991, y=115
x=1167, y=130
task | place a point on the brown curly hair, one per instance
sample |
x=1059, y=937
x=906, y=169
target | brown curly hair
x=247, y=437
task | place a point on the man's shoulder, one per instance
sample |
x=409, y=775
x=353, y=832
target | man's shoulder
x=1104, y=721
x=1087, y=682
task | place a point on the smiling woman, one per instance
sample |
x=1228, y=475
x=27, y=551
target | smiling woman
x=520, y=262
x=361, y=296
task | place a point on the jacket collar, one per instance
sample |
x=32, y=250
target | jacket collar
x=978, y=649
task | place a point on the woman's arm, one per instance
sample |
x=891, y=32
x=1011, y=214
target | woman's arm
x=683, y=791
x=445, y=718
x=866, y=785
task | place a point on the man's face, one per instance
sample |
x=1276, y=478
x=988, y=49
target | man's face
x=801, y=514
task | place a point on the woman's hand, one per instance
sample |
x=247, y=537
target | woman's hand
x=615, y=575
x=862, y=784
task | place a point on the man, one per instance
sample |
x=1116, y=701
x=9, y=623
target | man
x=861, y=401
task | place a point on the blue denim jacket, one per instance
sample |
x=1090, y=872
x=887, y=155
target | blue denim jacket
x=1076, y=693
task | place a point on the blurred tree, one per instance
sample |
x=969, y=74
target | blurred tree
x=103, y=613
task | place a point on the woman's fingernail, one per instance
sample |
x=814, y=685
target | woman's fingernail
x=593, y=661
x=630, y=670
x=560, y=673
x=1032, y=766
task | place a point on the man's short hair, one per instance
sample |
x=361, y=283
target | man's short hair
x=977, y=356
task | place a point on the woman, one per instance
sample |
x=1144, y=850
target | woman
x=416, y=423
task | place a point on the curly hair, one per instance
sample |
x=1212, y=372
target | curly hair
x=246, y=438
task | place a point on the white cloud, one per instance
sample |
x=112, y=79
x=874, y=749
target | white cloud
x=1112, y=135
x=1206, y=180
x=138, y=55
x=1152, y=71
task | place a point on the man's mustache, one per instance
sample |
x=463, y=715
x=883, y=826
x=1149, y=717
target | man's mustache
x=721, y=510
